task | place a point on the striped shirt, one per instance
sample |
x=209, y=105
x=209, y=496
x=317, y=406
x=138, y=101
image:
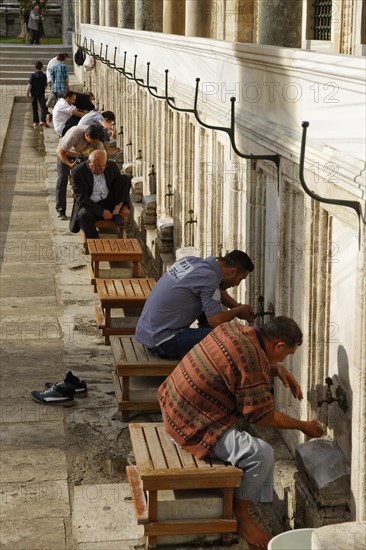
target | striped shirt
x=60, y=75
x=224, y=377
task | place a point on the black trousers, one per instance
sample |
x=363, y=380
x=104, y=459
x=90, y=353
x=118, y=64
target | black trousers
x=42, y=102
x=72, y=121
x=36, y=35
x=87, y=219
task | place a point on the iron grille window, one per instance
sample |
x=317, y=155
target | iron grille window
x=322, y=19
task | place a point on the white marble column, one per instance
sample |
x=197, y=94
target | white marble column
x=110, y=13
x=143, y=9
x=126, y=14
x=102, y=13
x=85, y=11
x=94, y=12
x=279, y=23
x=195, y=18
x=174, y=17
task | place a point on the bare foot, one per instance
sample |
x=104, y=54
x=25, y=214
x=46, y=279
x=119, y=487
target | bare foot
x=247, y=528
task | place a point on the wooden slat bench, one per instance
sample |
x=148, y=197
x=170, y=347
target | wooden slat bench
x=114, y=250
x=132, y=359
x=104, y=225
x=120, y=293
x=160, y=466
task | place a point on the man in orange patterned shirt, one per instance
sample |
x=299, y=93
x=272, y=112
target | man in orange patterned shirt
x=225, y=377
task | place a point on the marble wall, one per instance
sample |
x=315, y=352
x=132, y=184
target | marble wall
x=309, y=256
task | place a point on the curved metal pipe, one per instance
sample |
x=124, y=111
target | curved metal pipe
x=169, y=99
x=355, y=205
x=139, y=81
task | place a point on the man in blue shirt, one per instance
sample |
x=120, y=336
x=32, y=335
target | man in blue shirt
x=192, y=286
x=60, y=77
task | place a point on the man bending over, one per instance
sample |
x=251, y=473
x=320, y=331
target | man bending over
x=226, y=377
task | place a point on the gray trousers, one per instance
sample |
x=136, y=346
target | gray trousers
x=61, y=185
x=255, y=457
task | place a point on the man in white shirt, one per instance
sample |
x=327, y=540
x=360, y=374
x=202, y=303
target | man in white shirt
x=106, y=119
x=63, y=110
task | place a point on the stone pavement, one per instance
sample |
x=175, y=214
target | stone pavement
x=63, y=470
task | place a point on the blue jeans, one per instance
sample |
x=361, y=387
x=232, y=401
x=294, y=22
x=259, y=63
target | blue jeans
x=181, y=343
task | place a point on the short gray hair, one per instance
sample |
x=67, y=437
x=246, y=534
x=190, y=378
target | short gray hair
x=92, y=154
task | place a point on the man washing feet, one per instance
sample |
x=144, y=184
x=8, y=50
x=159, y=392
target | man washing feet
x=223, y=378
x=101, y=193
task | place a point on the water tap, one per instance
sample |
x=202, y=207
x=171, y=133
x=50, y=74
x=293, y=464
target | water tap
x=340, y=398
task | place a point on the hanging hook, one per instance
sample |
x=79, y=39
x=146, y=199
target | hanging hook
x=139, y=81
x=122, y=70
x=350, y=204
x=169, y=99
x=195, y=112
x=154, y=87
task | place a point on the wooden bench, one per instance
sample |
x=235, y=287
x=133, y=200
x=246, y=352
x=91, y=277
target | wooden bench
x=160, y=466
x=104, y=225
x=119, y=293
x=133, y=360
x=114, y=250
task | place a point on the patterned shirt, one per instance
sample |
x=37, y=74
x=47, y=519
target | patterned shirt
x=59, y=76
x=224, y=377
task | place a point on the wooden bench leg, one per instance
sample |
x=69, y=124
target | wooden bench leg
x=125, y=395
x=227, y=513
x=153, y=516
x=108, y=324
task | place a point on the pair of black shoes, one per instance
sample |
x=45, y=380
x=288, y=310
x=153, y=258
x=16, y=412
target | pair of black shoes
x=61, y=393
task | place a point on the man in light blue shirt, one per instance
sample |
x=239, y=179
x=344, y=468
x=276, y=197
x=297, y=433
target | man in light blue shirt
x=192, y=286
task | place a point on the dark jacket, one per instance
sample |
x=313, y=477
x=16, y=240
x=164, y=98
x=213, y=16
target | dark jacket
x=38, y=84
x=82, y=185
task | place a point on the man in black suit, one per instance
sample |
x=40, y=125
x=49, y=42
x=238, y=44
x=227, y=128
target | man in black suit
x=101, y=193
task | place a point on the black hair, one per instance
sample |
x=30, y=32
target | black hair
x=284, y=329
x=238, y=259
x=109, y=115
x=95, y=131
x=69, y=93
x=39, y=65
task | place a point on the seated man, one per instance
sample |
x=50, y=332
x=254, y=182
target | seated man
x=192, y=286
x=63, y=111
x=79, y=139
x=101, y=192
x=225, y=377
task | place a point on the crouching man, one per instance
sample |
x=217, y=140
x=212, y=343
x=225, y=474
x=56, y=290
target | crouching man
x=225, y=377
x=101, y=193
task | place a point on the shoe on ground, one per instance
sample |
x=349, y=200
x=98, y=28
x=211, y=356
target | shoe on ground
x=45, y=124
x=61, y=215
x=35, y=124
x=62, y=395
x=79, y=386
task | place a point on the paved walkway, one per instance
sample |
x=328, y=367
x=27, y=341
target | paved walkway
x=63, y=470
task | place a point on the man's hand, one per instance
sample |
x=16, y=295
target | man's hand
x=243, y=311
x=73, y=164
x=312, y=428
x=288, y=380
x=107, y=215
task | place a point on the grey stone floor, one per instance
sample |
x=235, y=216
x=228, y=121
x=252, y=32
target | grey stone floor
x=63, y=470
